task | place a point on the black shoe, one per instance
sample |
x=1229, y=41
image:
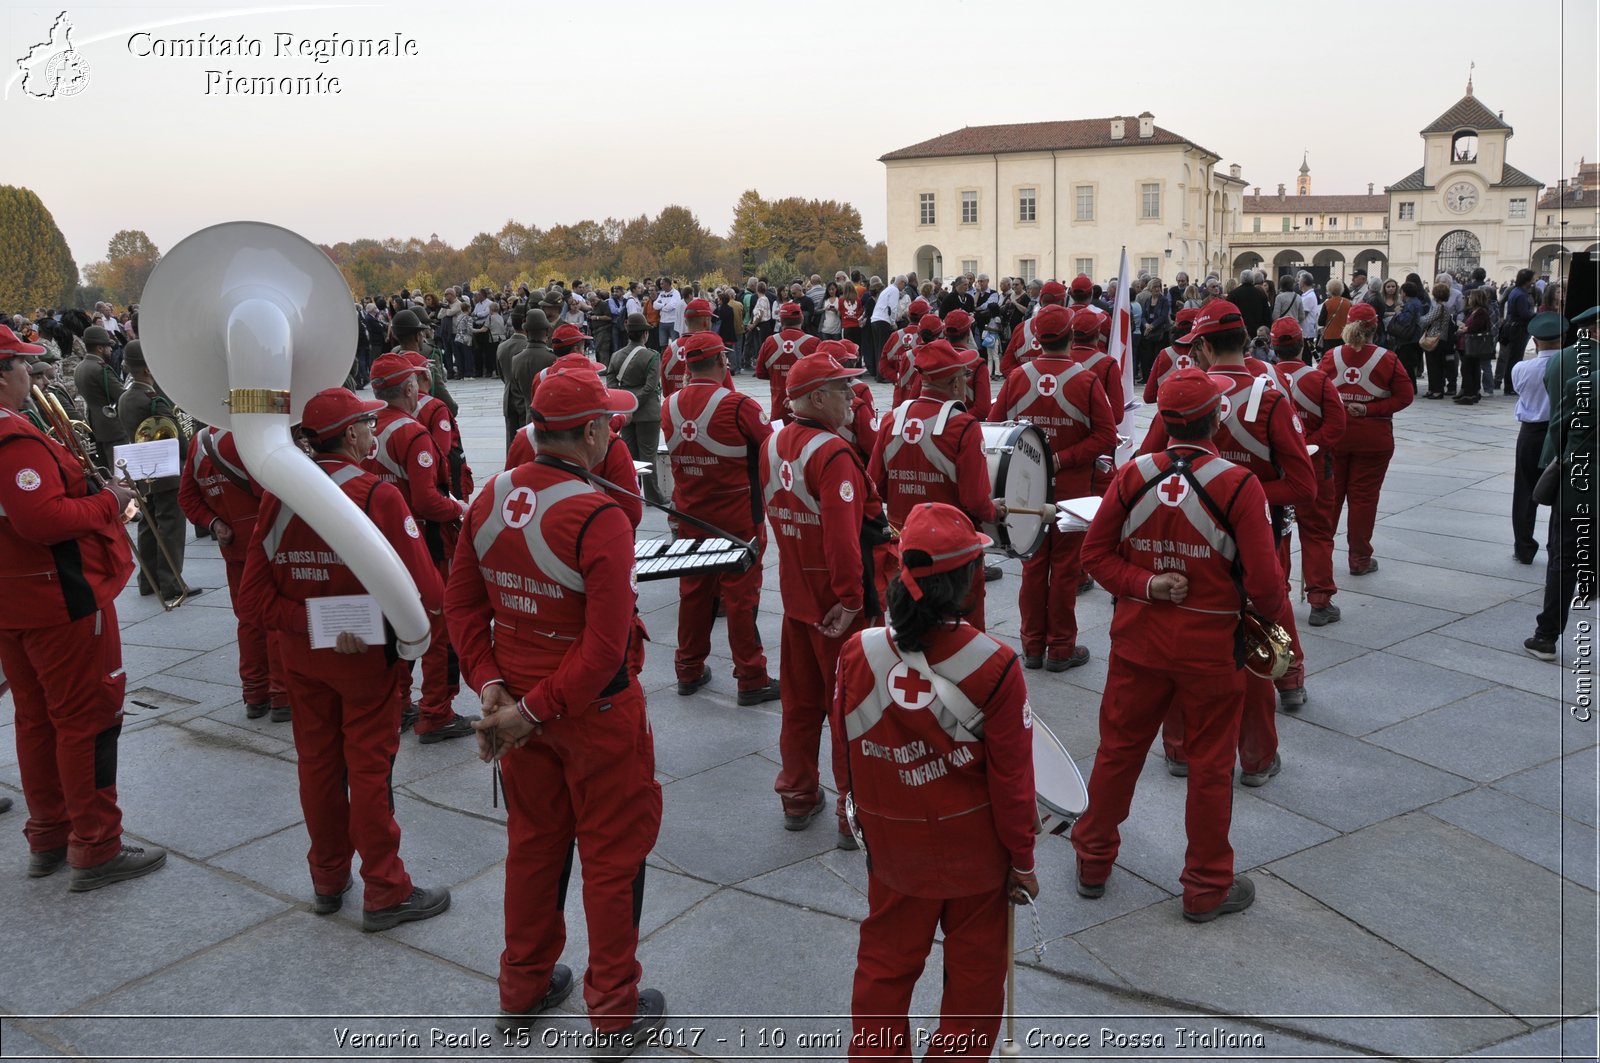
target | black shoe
x=281, y=713
x=561, y=983
x=1241, y=895
x=1449, y=389
x=1091, y=890
x=422, y=904
x=1033, y=663
x=1079, y=658
x=846, y=841
x=1371, y=567
x=1259, y=778
x=803, y=820
x=992, y=571
x=760, y=695
x=458, y=727
x=409, y=716
x=1434, y=395
x=132, y=862
x=1540, y=647
x=1086, y=584
x=1323, y=615
x=47, y=862
x=1524, y=557
x=1178, y=769
x=689, y=687
x=618, y=1045
x=175, y=600
x=328, y=903
x=256, y=710
x=5, y=804
x=1292, y=699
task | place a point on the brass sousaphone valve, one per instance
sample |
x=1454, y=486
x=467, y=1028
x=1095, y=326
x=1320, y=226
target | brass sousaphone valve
x=1268, y=650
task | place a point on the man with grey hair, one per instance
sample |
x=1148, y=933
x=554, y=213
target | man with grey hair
x=1252, y=302
x=884, y=313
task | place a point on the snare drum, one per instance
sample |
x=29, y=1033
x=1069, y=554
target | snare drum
x=1022, y=473
x=1058, y=785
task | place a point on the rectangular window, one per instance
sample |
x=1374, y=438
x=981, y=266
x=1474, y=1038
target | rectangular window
x=1083, y=197
x=1360, y=222
x=1311, y=223
x=1085, y=266
x=925, y=215
x=1255, y=226
x=1333, y=223
x=1150, y=201
x=1408, y=211
x=1028, y=204
x=1519, y=208
x=969, y=208
x=1028, y=268
x=1151, y=265
x=969, y=265
x=1286, y=224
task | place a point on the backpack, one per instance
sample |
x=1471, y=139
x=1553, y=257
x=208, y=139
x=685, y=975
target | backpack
x=1403, y=326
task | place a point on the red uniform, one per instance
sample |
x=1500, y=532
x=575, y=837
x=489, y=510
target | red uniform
x=1374, y=376
x=405, y=455
x=1066, y=402
x=446, y=432
x=547, y=558
x=346, y=705
x=1169, y=361
x=816, y=495
x=714, y=438
x=773, y=361
x=64, y=558
x=1165, y=656
x=981, y=403
x=617, y=467
x=1023, y=347
x=942, y=779
x=930, y=451
x=896, y=361
x=675, y=371
x=222, y=489
x=1321, y=410
x=861, y=431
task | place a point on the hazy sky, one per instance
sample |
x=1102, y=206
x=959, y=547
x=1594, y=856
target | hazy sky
x=551, y=113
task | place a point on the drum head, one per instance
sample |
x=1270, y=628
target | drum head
x=1021, y=473
x=1059, y=787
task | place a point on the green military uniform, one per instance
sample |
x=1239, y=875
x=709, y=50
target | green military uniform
x=637, y=369
x=532, y=359
x=137, y=403
x=100, y=387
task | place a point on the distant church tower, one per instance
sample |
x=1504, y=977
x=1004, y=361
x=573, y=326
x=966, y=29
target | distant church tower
x=1303, y=184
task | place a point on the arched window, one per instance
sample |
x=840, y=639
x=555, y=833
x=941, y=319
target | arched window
x=1464, y=146
x=1457, y=253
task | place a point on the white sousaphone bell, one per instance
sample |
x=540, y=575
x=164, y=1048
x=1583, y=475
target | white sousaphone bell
x=242, y=322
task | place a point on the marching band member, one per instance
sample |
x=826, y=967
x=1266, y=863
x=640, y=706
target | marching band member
x=346, y=697
x=100, y=387
x=435, y=416
x=1024, y=344
x=1172, y=357
x=1066, y=402
x=1179, y=534
x=1079, y=294
x=861, y=430
x=545, y=558
x=896, y=360
x=931, y=449
x=698, y=317
x=714, y=441
x=405, y=455
x=816, y=494
x=534, y=357
x=940, y=772
x=63, y=560
x=141, y=400
x=957, y=331
x=779, y=354
x=636, y=369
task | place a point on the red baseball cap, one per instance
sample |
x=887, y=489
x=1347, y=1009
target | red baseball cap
x=1286, y=328
x=567, y=336
x=698, y=308
x=943, y=533
x=790, y=311
x=957, y=320
x=1086, y=321
x=1364, y=312
x=938, y=359
x=701, y=347
x=334, y=410
x=930, y=323
x=1187, y=395
x=574, y=360
x=12, y=346
x=391, y=369
x=1053, y=292
x=917, y=308
x=1082, y=283
x=1052, y=323
x=814, y=370
x=571, y=397
x=1218, y=315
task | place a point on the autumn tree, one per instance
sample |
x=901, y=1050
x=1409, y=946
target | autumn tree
x=36, y=268
x=821, y=233
x=130, y=258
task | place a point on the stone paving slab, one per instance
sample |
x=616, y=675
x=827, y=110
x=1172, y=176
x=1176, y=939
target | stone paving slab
x=1567, y=786
x=1573, y=1039
x=1549, y=839
x=1512, y=731
x=1503, y=627
x=1508, y=667
x=1375, y=622
x=1463, y=556
x=1379, y=689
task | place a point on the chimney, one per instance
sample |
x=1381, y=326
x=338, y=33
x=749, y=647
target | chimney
x=1233, y=171
x=1147, y=125
x=1369, y=188
x=1256, y=191
x=1282, y=190
x=1118, y=129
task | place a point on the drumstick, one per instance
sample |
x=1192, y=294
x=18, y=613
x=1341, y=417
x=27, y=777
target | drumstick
x=1010, y=1049
x=1030, y=511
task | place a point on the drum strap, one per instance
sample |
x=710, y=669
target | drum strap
x=1253, y=407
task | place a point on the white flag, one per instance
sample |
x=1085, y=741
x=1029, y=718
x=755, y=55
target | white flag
x=1122, y=350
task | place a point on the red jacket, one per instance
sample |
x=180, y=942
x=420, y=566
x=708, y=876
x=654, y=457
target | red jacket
x=63, y=553
x=849, y=313
x=894, y=361
x=919, y=463
x=861, y=431
x=548, y=558
x=1374, y=376
x=773, y=361
x=675, y=372
x=1169, y=361
x=714, y=437
x=941, y=774
x=617, y=467
x=981, y=404
x=1066, y=402
x=1106, y=370
x=435, y=417
x=1152, y=521
x=816, y=495
x=1317, y=402
x=207, y=491
x=1020, y=348
x=289, y=563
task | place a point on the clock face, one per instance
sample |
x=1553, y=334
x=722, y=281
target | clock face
x=1461, y=197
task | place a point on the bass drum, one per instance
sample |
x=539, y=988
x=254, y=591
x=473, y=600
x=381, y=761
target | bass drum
x=1022, y=473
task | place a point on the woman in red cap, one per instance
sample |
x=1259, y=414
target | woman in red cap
x=1374, y=386
x=940, y=771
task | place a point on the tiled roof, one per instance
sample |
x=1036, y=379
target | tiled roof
x=1467, y=113
x=1316, y=204
x=1412, y=182
x=1511, y=177
x=1570, y=196
x=1036, y=136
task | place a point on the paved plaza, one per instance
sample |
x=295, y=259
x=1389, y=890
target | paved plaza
x=1425, y=864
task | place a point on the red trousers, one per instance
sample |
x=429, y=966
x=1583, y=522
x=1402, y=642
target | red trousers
x=588, y=779
x=1317, y=524
x=1296, y=675
x=697, y=612
x=1049, y=600
x=1137, y=699
x=441, y=674
x=1357, y=479
x=810, y=664
x=346, y=734
x=895, y=939
x=1258, y=727
x=259, y=681
x=67, y=685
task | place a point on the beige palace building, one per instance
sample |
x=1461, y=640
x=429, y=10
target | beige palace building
x=1055, y=199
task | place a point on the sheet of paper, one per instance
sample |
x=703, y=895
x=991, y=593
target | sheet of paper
x=148, y=461
x=356, y=613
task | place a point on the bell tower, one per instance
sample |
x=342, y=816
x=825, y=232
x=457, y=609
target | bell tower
x=1302, y=184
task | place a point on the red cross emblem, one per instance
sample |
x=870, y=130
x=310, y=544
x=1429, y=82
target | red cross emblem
x=908, y=688
x=688, y=431
x=786, y=475
x=1173, y=490
x=1183, y=361
x=788, y=346
x=1224, y=407
x=519, y=506
x=1047, y=385
x=1352, y=376
x=913, y=430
